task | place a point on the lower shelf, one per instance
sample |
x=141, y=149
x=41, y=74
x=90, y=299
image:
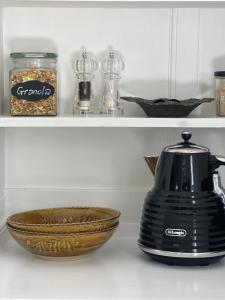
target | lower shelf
x=116, y=271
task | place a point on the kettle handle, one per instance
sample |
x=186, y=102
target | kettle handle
x=216, y=161
x=218, y=188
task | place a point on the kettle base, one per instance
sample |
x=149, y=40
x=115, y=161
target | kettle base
x=185, y=261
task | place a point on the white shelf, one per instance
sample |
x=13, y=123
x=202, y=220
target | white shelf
x=100, y=121
x=154, y=3
x=116, y=271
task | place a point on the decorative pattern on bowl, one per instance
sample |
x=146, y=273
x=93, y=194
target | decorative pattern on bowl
x=61, y=245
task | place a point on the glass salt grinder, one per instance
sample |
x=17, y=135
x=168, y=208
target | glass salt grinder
x=220, y=92
x=85, y=67
x=111, y=66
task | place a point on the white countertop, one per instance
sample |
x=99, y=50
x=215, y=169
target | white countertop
x=118, y=270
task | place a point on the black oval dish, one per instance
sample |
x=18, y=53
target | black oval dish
x=168, y=108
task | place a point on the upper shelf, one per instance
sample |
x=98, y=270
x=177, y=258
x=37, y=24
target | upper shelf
x=102, y=121
x=117, y=3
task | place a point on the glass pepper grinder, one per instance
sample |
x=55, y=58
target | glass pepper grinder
x=85, y=67
x=111, y=66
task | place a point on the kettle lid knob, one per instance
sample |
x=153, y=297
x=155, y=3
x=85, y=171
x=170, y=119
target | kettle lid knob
x=186, y=135
x=186, y=147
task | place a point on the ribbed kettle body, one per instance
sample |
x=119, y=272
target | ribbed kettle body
x=183, y=222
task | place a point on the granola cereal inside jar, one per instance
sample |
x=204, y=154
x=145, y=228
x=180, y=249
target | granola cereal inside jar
x=33, y=84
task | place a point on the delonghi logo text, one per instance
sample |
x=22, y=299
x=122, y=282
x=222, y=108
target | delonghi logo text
x=175, y=232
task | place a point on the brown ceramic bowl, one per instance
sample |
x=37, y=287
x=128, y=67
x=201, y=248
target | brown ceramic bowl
x=61, y=246
x=65, y=220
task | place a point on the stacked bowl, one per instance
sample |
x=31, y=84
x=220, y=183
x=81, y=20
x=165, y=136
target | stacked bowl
x=63, y=232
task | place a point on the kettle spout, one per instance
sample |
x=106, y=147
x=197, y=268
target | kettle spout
x=152, y=162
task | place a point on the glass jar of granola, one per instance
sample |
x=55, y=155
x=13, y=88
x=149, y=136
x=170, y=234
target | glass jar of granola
x=33, y=84
x=220, y=92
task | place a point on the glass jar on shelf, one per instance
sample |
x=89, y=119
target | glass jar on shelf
x=220, y=92
x=33, y=84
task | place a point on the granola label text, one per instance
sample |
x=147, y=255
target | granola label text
x=32, y=90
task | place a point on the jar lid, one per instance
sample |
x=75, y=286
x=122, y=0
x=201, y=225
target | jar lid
x=33, y=55
x=219, y=73
x=186, y=147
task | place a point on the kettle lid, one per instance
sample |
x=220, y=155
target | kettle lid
x=186, y=147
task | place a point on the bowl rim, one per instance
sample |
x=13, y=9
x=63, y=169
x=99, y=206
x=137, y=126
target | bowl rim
x=67, y=234
x=117, y=215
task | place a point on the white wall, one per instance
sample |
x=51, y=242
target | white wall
x=69, y=166
x=168, y=53
x=142, y=36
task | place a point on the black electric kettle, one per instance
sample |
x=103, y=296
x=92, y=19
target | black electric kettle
x=183, y=218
